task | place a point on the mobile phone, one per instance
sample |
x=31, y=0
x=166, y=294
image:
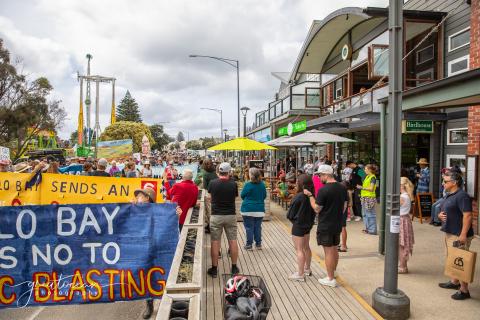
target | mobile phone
x=456, y=244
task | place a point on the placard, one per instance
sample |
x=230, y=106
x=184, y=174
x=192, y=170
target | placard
x=424, y=206
x=259, y=164
x=4, y=153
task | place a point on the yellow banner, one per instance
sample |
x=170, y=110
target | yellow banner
x=72, y=189
x=13, y=191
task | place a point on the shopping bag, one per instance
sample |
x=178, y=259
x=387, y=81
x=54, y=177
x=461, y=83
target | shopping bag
x=460, y=264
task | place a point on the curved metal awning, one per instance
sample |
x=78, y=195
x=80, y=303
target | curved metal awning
x=322, y=38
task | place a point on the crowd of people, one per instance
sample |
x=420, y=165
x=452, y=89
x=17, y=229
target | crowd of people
x=320, y=192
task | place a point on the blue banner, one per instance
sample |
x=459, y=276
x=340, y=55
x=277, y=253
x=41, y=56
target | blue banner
x=85, y=253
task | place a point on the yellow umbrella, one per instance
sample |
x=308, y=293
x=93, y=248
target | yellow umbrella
x=244, y=144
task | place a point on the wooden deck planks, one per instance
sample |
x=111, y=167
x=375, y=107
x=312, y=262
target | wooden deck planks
x=290, y=300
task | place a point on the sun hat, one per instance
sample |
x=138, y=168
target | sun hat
x=224, y=167
x=146, y=162
x=148, y=192
x=325, y=169
x=422, y=161
x=21, y=167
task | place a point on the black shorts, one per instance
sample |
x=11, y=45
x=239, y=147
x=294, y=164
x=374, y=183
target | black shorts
x=300, y=231
x=328, y=239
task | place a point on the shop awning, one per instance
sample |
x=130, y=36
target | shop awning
x=316, y=137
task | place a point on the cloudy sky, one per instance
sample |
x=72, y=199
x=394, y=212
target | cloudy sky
x=145, y=45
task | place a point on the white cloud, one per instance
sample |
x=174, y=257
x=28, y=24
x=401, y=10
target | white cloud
x=145, y=45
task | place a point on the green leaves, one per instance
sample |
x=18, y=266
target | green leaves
x=128, y=109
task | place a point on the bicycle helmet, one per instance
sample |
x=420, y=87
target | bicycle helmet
x=238, y=285
x=230, y=298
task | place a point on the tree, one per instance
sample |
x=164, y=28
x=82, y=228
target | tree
x=24, y=108
x=128, y=109
x=180, y=137
x=194, y=145
x=208, y=142
x=128, y=130
x=159, y=136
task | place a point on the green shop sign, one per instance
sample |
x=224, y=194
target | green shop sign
x=292, y=128
x=417, y=126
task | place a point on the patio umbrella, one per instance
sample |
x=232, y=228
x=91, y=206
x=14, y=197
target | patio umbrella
x=240, y=144
x=316, y=137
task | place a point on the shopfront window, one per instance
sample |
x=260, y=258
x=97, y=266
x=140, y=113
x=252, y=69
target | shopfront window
x=312, y=97
x=457, y=136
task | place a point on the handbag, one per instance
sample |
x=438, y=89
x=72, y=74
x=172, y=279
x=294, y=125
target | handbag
x=460, y=264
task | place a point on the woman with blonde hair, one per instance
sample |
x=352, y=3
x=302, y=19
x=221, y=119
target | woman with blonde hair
x=406, y=239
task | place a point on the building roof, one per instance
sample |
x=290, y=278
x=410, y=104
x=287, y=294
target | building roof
x=282, y=76
x=324, y=34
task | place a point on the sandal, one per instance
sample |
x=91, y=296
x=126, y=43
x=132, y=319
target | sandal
x=342, y=250
x=402, y=270
x=365, y=231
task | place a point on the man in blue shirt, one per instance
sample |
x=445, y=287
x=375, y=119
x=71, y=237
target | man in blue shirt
x=456, y=217
x=423, y=184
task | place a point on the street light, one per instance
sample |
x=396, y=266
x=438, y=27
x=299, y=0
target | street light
x=225, y=134
x=235, y=64
x=221, y=119
x=244, y=114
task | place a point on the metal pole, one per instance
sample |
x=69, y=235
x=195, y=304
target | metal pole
x=97, y=115
x=383, y=180
x=221, y=125
x=112, y=115
x=80, y=116
x=390, y=302
x=238, y=98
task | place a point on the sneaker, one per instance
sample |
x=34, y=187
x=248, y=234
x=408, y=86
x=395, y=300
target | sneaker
x=296, y=277
x=349, y=219
x=307, y=272
x=459, y=295
x=235, y=270
x=147, y=313
x=357, y=218
x=213, y=272
x=449, y=285
x=258, y=246
x=327, y=282
x=248, y=247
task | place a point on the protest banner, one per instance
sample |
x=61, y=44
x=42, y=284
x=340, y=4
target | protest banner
x=4, y=153
x=71, y=189
x=58, y=255
x=13, y=190
x=115, y=149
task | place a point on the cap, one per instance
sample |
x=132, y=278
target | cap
x=325, y=169
x=103, y=162
x=148, y=192
x=224, y=167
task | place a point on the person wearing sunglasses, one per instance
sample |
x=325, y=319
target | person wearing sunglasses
x=456, y=217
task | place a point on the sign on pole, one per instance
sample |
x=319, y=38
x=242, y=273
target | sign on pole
x=4, y=153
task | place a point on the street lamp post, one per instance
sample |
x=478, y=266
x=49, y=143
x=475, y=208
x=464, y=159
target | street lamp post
x=221, y=119
x=225, y=134
x=236, y=65
x=244, y=111
x=389, y=301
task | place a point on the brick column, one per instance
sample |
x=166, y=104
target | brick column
x=473, y=147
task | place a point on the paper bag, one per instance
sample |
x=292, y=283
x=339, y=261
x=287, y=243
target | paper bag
x=460, y=264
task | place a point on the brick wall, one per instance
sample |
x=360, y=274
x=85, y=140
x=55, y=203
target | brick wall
x=473, y=147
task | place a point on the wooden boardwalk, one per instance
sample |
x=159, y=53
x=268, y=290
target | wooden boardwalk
x=290, y=300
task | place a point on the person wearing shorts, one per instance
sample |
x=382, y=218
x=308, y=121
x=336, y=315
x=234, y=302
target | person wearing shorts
x=456, y=216
x=223, y=192
x=330, y=205
x=302, y=216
